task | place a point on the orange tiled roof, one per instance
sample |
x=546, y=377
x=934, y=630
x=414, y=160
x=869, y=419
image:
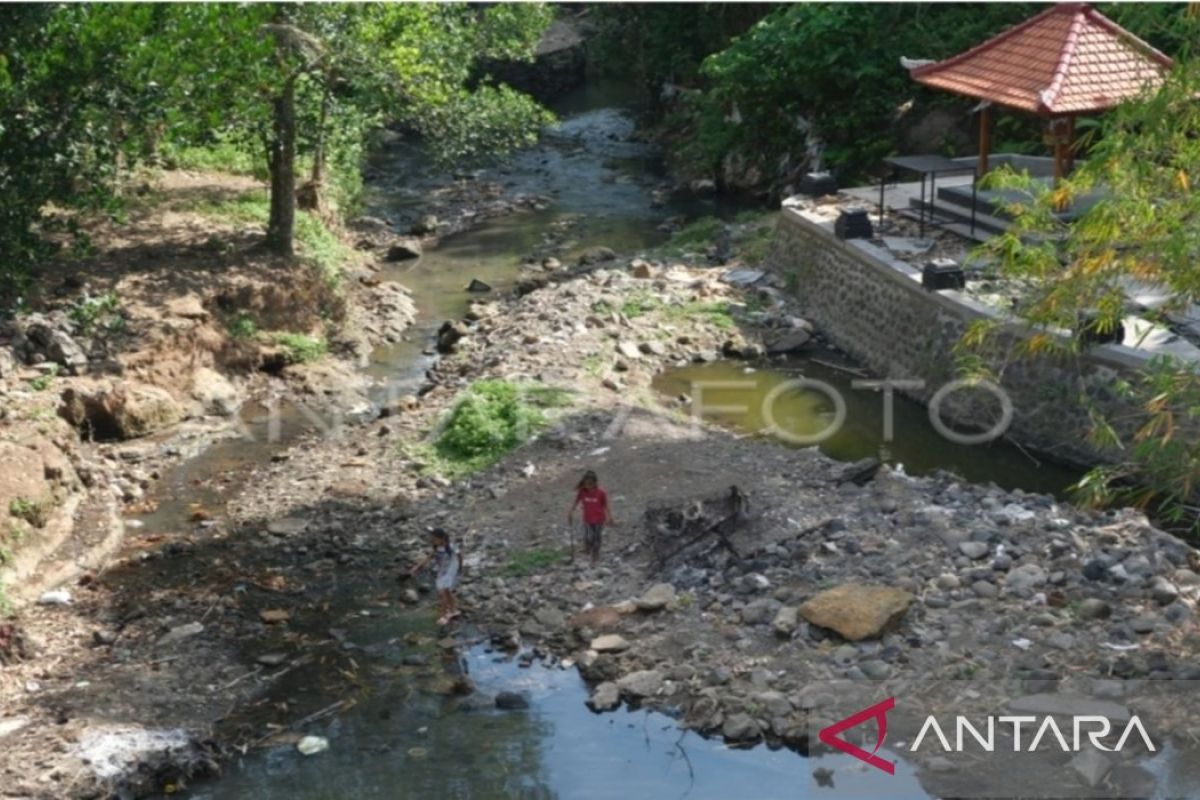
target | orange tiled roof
x=1069, y=59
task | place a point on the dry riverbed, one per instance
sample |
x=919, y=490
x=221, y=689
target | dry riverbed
x=173, y=652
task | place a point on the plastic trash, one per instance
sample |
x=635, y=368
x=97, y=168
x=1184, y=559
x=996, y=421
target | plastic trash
x=58, y=597
x=311, y=745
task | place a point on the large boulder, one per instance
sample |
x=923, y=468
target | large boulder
x=46, y=337
x=857, y=611
x=215, y=393
x=126, y=410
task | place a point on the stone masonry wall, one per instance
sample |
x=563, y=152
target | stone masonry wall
x=873, y=307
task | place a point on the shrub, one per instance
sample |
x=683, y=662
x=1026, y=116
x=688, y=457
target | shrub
x=302, y=348
x=490, y=419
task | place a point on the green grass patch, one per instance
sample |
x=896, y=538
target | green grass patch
x=490, y=419
x=717, y=313
x=640, y=303
x=218, y=156
x=595, y=364
x=322, y=247
x=42, y=382
x=528, y=562
x=699, y=232
x=302, y=348
x=35, y=511
x=314, y=241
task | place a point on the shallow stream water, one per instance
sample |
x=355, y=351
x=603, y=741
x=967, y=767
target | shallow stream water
x=400, y=742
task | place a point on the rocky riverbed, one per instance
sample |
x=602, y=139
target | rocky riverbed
x=829, y=571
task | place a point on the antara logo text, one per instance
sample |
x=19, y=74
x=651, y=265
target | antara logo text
x=1028, y=733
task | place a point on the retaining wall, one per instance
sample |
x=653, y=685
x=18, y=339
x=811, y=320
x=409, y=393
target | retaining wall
x=873, y=307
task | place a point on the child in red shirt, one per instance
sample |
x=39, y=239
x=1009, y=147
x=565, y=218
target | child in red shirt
x=596, y=513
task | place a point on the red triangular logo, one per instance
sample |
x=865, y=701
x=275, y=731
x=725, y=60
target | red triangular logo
x=877, y=712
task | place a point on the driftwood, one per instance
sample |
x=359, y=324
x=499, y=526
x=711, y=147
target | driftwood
x=697, y=529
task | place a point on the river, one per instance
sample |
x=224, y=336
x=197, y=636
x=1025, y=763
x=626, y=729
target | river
x=401, y=742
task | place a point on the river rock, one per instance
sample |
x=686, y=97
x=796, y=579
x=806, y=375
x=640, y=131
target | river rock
x=1094, y=608
x=125, y=411
x=1025, y=578
x=550, y=618
x=1091, y=765
x=786, y=621
x=189, y=306
x=644, y=683
x=758, y=612
x=477, y=285
x=215, y=393
x=656, y=598
x=596, y=255
x=641, y=269
x=857, y=611
x=511, y=701
x=974, y=550
x=404, y=249
x=46, y=338
x=426, y=225
x=740, y=727
x=606, y=697
x=449, y=335
x=788, y=342
x=1163, y=591
x=287, y=526
x=179, y=633
x=629, y=350
x=610, y=643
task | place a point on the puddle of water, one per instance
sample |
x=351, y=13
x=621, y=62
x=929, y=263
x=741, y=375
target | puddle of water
x=743, y=400
x=399, y=743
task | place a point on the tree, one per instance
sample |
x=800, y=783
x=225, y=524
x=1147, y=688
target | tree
x=1144, y=159
x=90, y=88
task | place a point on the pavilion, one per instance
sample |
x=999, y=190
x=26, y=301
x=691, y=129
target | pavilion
x=1067, y=61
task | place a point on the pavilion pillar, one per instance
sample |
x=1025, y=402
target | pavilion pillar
x=1070, y=144
x=985, y=138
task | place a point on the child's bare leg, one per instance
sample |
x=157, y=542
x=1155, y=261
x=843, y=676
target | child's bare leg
x=441, y=595
x=451, y=604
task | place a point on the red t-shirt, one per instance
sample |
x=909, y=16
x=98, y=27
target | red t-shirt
x=593, y=502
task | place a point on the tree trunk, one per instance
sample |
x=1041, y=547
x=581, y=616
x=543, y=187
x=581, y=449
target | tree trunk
x=281, y=227
x=318, y=167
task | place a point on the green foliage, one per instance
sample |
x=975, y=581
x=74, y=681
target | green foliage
x=491, y=418
x=1142, y=229
x=656, y=42
x=302, y=348
x=104, y=310
x=242, y=326
x=522, y=563
x=92, y=90
x=220, y=155
x=322, y=247
x=837, y=66
x=42, y=382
